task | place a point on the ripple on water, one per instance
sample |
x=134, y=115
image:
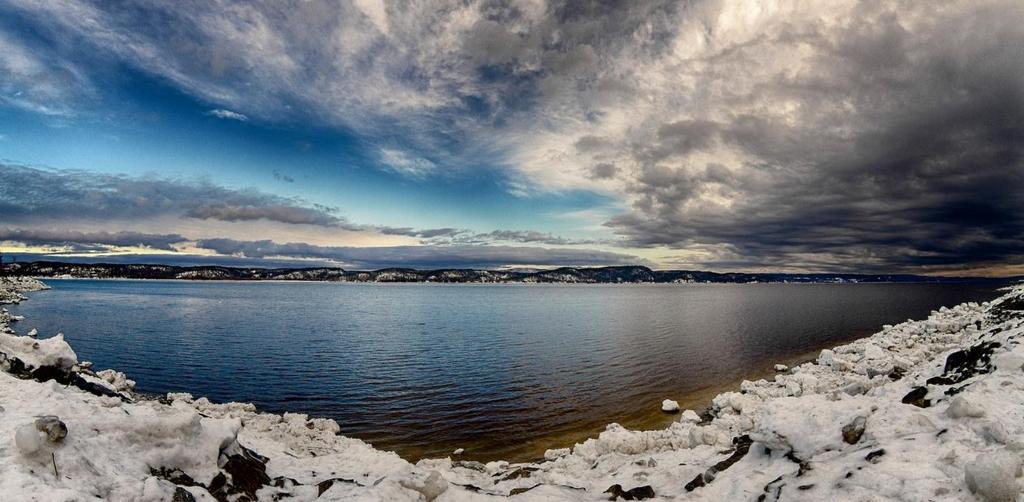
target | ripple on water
x=503, y=371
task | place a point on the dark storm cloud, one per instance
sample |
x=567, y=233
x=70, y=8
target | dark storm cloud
x=910, y=152
x=418, y=256
x=90, y=241
x=272, y=212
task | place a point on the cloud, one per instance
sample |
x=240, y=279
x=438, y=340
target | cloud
x=227, y=114
x=37, y=84
x=274, y=212
x=279, y=176
x=36, y=195
x=419, y=256
x=49, y=202
x=405, y=164
x=89, y=240
x=736, y=133
x=527, y=236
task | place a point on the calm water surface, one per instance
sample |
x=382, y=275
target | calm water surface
x=503, y=371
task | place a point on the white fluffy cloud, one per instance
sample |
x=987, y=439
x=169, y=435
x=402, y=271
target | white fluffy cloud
x=227, y=114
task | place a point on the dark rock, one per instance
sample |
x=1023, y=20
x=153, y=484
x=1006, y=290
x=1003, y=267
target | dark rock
x=772, y=489
x=874, y=456
x=283, y=482
x=470, y=464
x=638, y=493
x=804, y=467
x=55, y=430
x=218, y=487
x=964, y=364
x=853, y=431
x=63, y=376
x=520, y=472
x=524, y=489
x=176, y=476
x=326, y=484
x=248, y=473
x=742, y=448
x=805, y=487
x=182, y=495
x=896, y=374
x=916, y=397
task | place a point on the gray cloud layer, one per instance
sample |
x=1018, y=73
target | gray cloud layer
x=32, y=194
x=90, y=241
x=429, y=256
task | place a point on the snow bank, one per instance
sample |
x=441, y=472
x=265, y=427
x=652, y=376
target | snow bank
x=925, y=410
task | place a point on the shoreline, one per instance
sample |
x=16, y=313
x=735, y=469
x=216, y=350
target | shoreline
x=791, y=425
x=995, y=282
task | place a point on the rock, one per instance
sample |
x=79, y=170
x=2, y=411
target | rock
x=853, y=431
x=458, y=451
x=55, y=430
x=247, y=469
x=470, y=464
x=669, y=406
x=916, y=397
x=321, y=487
x=964, y=364
x=742, y=448
x=638, y=493
x=781, y=367
x=992, y=476
x=960, y=407
x=690, y=416
x=182, y=495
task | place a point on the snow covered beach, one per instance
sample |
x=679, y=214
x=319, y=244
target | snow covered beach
x=923, y=410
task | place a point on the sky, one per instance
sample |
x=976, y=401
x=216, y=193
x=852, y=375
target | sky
x=837, y=136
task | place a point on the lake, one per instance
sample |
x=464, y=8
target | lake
x=504, y=371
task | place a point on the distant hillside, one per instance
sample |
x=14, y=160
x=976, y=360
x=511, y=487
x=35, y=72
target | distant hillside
x=585, y=275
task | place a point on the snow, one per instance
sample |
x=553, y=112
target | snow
x=993, y=476
x=669, y=406
x=834, y=429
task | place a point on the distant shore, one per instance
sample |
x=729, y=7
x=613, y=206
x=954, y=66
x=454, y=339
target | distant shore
x=562, y=275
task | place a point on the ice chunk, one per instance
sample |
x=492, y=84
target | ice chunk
x=28, y=439
x=669, y=406
x=993, y=476
x=960, y=407
x=690, y=416
x=556, y=453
